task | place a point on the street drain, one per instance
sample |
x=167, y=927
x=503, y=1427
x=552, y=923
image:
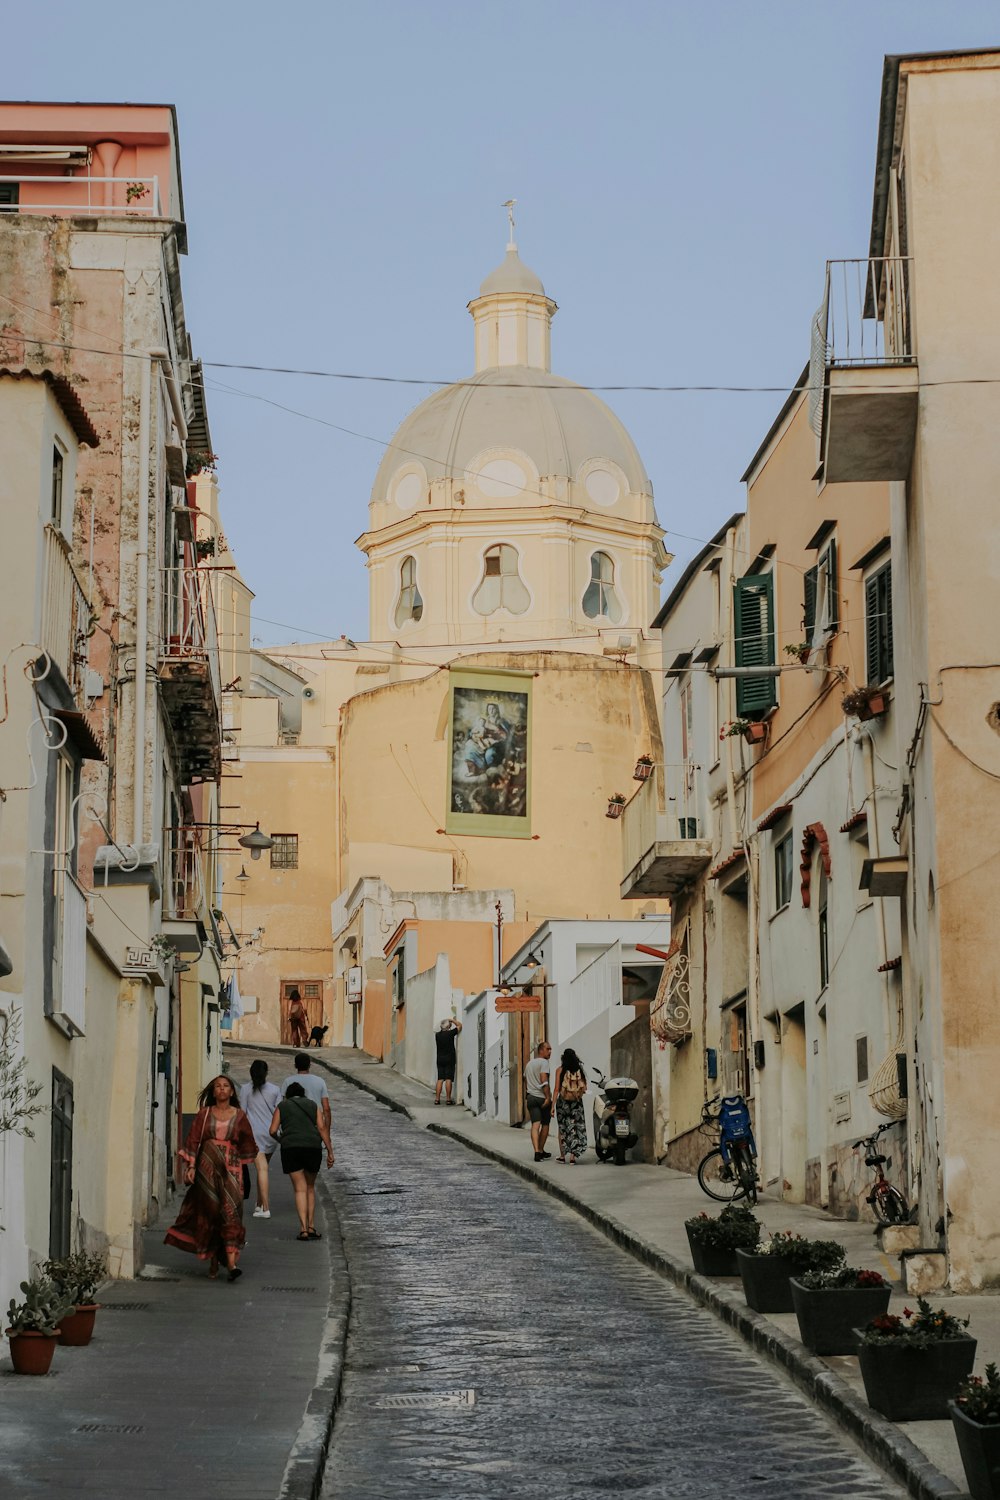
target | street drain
x=288, y=1288
x=108, y=1427
x=426, y=1399
x=126, y=1306
x=374, y=1192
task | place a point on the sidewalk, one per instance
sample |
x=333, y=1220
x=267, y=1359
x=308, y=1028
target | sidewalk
x=643, y=1208
x=191, y=1386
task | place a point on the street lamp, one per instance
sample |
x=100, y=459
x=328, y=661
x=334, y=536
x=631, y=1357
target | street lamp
x=243, y=874
x=256, y=842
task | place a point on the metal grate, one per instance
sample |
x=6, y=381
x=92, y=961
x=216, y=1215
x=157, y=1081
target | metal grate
x=288, y=1288
x=426, y=1399
x=108, y=1427
x=126, y=1306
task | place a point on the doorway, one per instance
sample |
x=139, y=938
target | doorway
x=311, y=991
x=793, y=1104
x=61, y=1179
x=481, y=1061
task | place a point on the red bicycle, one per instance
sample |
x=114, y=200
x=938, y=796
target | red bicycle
x=887, y=1202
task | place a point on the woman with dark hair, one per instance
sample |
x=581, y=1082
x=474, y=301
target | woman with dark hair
x=258, y=1100
x=569, y=1092
x=304, y=1132
x=298, y=1021
x=220, y=1141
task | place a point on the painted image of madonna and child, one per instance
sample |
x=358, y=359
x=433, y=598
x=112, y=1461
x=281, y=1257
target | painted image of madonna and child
x=489, y=773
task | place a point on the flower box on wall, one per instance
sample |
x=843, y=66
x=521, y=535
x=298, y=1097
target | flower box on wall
x=616, y=806
x=643, y=769
x=755, y=732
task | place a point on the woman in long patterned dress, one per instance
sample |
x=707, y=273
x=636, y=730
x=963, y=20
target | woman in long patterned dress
x=220, y=1141
x=569, y=1093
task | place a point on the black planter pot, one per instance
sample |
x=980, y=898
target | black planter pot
x=710, y=1260
x=979, y=1446
x=829, y=1316
x=766, y=1283
x=914, y=1385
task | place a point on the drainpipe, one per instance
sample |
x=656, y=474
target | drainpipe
x=141, y=605
x=173, y=390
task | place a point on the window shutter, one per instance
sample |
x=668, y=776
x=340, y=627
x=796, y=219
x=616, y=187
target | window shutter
x=887, y=662
x=755, y=643
x=872, y=623
x=830, y=563
x=809, y=604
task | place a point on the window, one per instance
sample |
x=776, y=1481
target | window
x=501, y=586
x=862, y=1055
x=410, y=606
x=823, y=924
x=284, y=851
x=58, y=462
x=755, y=643
x=819, y=614
x=878, y=625
x=601, y=597
x=9, y=197
x=783, y=865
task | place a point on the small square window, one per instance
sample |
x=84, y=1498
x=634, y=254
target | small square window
x=783, y=865
x=284, y=851
x=862, y=1046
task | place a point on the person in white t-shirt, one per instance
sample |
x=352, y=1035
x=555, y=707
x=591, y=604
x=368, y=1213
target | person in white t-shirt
x=258, y=1101
x=314, y=1087
x=539, y=1099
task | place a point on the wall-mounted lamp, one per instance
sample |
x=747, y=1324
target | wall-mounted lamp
x=256, y=842
x=243, y=874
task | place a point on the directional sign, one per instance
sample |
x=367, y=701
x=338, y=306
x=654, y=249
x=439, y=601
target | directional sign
x=506, y=1003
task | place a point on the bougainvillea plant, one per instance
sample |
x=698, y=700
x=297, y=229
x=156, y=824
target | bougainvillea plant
x=928, y=1325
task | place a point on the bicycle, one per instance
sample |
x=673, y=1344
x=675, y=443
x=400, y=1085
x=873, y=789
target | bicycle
x=887, y=1202
x=728, y=1172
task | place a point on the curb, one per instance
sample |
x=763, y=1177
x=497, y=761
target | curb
x=306, y=1463
x=880, y=1439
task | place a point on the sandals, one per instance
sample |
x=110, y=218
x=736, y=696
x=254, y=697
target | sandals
x=303, y=1234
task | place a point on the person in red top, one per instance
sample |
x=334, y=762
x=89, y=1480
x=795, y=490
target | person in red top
x=220, y=1141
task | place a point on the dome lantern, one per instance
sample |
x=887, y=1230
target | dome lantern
x=513, y=317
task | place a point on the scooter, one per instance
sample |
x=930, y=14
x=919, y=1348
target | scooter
x=613, y=1133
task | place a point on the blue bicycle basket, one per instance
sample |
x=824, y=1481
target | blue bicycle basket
x=734, y=1123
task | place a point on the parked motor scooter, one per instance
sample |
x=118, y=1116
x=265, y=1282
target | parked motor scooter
x=613, y=1133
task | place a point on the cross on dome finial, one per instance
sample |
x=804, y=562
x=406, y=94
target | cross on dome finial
x=509, y=206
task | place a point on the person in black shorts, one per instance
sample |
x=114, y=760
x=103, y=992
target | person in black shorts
x=445, y=1040
x=302, y=1132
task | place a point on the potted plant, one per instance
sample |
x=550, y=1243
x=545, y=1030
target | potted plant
x=616, y=805
x=911, y=1364
x=975, y=1413
x=78, y=1277
x=754, y=731
x=766, y=1269
x=830, y=1305
x=865, y=702
x=33, y=1328
x=714, y=1242
x=801, y=651
x=205, y=546
x=643, y=768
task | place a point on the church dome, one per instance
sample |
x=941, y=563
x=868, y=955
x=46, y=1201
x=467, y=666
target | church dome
x=512, y=275
x=517, y=409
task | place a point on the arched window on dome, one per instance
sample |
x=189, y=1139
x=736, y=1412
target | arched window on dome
x=501, y=586
x=409, y=606
x=601, y=596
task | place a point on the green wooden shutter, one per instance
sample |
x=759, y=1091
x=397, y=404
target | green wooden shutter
x=754, y=600
x=832, y=602
x=809, y=603
x=887, y=664
x=872, y=622
x=878, y=626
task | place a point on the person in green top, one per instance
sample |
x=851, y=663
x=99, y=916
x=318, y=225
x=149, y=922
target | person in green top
x=302, y=1132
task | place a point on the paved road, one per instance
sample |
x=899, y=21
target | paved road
x=591, y=1376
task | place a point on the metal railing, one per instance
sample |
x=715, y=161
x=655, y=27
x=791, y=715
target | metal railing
x=867, y=311
x=645, y=823
x=77, y=196
x=66, y=612
x=190, y=629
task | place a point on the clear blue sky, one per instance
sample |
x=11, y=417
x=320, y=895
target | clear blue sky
x=683, y=172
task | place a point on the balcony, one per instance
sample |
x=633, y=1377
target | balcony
x=662, y=847
x=69, y=965
x=71, y=196
x=188, y=671
x=66, y=613
x=863, y=371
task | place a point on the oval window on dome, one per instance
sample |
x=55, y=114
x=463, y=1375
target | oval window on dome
x=600, y=599
x=602, y=486
x=501, y=586
x=408, y=489
x=500, y=479
x=409, y=606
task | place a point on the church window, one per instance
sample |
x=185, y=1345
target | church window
x=410, y=606
x=601, y=597
x=501, y=586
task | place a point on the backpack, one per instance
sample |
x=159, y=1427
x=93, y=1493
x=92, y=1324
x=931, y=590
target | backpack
x=572, y=1087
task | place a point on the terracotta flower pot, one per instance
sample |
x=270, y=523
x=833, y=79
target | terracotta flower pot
x=31, y=1353
x=755, y=733
x=828, y=1316
x=979, y=1445
x=78, y=1328
x=908, y=1384
x=643, y=770
x=766, y=1281
x=875, y=706
x=615, y=809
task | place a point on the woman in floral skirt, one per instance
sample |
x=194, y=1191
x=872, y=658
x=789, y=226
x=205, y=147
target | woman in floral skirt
x=220, y=1141
x=569, y=1093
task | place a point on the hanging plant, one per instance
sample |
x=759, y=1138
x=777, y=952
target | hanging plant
x=865, y=702
x=616, y=805
x=643, y=768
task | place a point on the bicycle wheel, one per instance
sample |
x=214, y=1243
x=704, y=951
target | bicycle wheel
x=745, y=1171
x=888, y=1204
x=723, y=1188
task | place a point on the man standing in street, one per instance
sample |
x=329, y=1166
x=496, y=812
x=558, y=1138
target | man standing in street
x=315, y=1088
x=539, y=1099
x=446, y=1040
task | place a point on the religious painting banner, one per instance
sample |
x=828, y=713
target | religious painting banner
x=489, y=782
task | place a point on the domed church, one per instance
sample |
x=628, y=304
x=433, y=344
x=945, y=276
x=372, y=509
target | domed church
x=464, y=756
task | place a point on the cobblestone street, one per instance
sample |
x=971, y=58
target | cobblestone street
x=588, y=1374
